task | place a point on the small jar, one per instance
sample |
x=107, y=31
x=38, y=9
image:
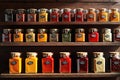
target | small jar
x=31, y=62
x=79, y=15
x=20, y=15
x=82, y=62
x=30, y=35
x=42, y=35
x=93, y=35
x=47, y=62
x=115, y=61
x=91, y=15
x=9, y=15
x=107, y=35
x=66, y=35
x=65, y=62
x=6, y=36
x=54, y=36
x=117, y=35
x=15, y=63
x=54, y=15
x=31, y=15
x=80, y=35
x=66, y=15
x=99, y=62
x=18, y=35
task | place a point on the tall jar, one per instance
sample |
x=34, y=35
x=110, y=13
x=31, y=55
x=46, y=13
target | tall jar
x=80, y=35
x=15, y=63
x=47, y=62
x=79, y=15
x=20, y=15
x=42, y=35
x=93, y=35
x=91, y=15
x=31, y=15
x=30, y=35
x=66, y=35
x=66, y=15
x=115, y=61
x=117, y=35
x=82, y=62
x=103, y=15
x=6, y=35
x=31, y=64
x=99, y=62
x=65, y=62
x=18, y=35
x=9, y=14
x=114, y=15
x=54, y=36
x=54, y=15
x=107, y=35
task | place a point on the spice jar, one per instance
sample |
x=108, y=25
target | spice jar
x=6, y=36
x=107, y=35
x=80, y=35
x=82, y=62
x=54, y=15
x=15, y=63
x=43, y=15
x=42, y=35
x=54, y=36
x=66, y=35
x=9, y=15
x=31, y=62
x=79, y=15
x=66, y=15
x=18, y=35
x=47, y=62
x=65, y=62
x=30, y=35
x=93, y=35
x=31, y=16
x=103, y=15
x=20, y=15
x=114, y=15
x=114, y=61
x=91, y=15
x=99, y=62
x=117, y=35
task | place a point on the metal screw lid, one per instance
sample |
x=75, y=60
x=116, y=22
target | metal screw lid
x=106, y=30
x=30, y=30
x=9, y=11
x=47, y=53
x=42, y=30
x=6, y=30
x=53, y=30
x=114, y=9
x=91, y=9
x=65, y=53
x=117, y=30
x=103, y=9
x=79, y=30
x=82, y=53
x=79, y=9
x=32, y=10
x=18, y=54
x=20, y=10
x=34, y=54
x=18, y=30
x=93, y=30
x=66, y=30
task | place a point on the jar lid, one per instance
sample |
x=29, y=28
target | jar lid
x=66, y=9
x=79, y=9
x=16, y=54
x=32, y=10
x=114, y=53
x=91, y=9
x=83, y=53
x=53, y=30
x=42, y=9
x=30, y=30
x=98, y=53
x=9, y=11
x=21, y=10
x=66, y=30
x=32, y=54
x=103, y=9
x=41, y=30
x=79, y=30
x=106, y=30
x=65, y=53
x=18, y=30
x=117, y=30
x=54, y=9
x=115, y=9
x=6, y=30
x=47, y=53
x=93, y=30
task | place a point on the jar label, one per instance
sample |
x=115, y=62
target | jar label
x=42, y=16
x=118, y=36
x=65, y=16
x=41, y=36
x=79, y=16
x=64, y=62
x=31, y=17
x=79, y=35
x=107, y=36
x=114, y=16
x=99, y=62
x=30, y=63
x=116, y=62
x=17, y=36
x=13, y=63
x=91, y=16
x=53, y=36
x=47, y=62
x=6, y=36
x=19, y=17
x=66, y=35
x=82, y=62
x=29, y=36
x=54, y=16
x=93, y=35
x=103, y=16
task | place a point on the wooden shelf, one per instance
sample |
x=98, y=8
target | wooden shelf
x=12, y=44
x=58, y=23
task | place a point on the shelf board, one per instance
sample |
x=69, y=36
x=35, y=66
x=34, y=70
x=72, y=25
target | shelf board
x=12, y=44
x=59, y=75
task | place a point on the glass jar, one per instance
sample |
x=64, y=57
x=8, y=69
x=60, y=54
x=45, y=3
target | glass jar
x=15, y=63
x=93, y=35
x=65, y=62
x=43, y=15
x=42, y=35
x=31, y=15
x=99, y=62
x=31, y=62
x=30, y=35
x=115, y=61
x=117, y=35
x=9, y=15
x=20, y=15
x=79, y=15
x=54, y=36
x=91, y=15
x=107, y=35
x=18, y=35
x=66, y=35
x=47, y=62
x=82, y=62
x=66, y=15
x=114, y=15
x=6, y=36
x=54, y=15
x=80, y=35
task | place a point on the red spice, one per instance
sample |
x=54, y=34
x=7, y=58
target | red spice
x=66, y=16
x=79, y=15
x=54, y=15
x=20, y=16
x=32, y=15
x=117, y=34
x=6, y=36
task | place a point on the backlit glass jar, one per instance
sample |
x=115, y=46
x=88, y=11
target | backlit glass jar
x=9, y=15
x=30, y=35
x=6, y=35
x=66, y=35
x=42, y=35
x=66, y=15
x=20, y=15
x=117, y=35
x=18, y=35
x=79, y=15
x=54, y=36
x=54, y=15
